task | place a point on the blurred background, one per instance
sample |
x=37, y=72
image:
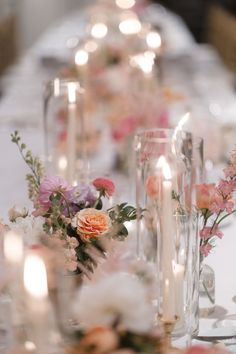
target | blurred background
x=22, y=22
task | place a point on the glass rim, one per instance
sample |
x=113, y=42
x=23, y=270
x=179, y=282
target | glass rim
x=140, y=135
x=56, y=87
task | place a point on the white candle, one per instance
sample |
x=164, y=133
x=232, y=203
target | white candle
x=168, y=310
x=35, y=279
x=37, y=305
x=13, y=248
x=71, y=131
x=179, y=291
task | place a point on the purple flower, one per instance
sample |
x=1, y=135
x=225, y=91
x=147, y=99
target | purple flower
x=50, y=185
x=83, y=195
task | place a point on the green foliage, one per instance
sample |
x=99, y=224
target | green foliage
x=119, y=214
x=34, y=164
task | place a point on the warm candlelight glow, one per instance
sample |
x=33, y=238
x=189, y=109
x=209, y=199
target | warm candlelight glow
x=91, y=46
x=144, y=61
x=72, y=88
x=35, y=277
x=13, y=247
x=99, y=30
x=130, y=25
x=62, y=163
x=125, y=4
x=56, y=87
x=153, y=40
x=161, y=161
x=166, y=171
x=81, y=57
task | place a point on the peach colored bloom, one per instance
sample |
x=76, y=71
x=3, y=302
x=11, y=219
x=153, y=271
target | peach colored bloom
x=204, y=193
x=153, y=186
x=102, y=339
x=91, y=223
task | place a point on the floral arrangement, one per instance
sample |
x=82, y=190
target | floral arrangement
x=121, y=318
x=216, y=203
x=73, y=216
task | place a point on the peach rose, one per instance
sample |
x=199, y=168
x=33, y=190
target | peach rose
x=101, y=339
x=204, y=193
x=153, y=186
x=91, y=223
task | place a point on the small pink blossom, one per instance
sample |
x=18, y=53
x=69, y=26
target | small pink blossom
x=208, y=231
x=72, y=241
x=71, y=263
x=104, y=185
x=197, y=349
x=226, y=187
x=230, y=171
x=205, y=249
x=219, y=203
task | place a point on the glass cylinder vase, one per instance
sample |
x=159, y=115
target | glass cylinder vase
x=64, y=129
x=164, y=181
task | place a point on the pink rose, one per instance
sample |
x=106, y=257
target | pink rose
x=230, y=171
x=204, y=194
x=105, y=186
x=91, y=223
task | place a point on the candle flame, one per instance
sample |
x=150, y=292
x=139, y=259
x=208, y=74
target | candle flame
x=35, y=276
x=166, y=171
x=163, y=164
x=153, y=40
x=144, y=61
x=72, y=88
x=125, y=4
x=13, y=247
x=130, y=26
x=57, y=87
x=99, y=30
x=62, y=163
x=81, y=57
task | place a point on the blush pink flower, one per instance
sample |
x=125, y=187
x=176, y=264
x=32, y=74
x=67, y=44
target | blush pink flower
x=208, y=232
x=105, y=186
x=197, y=349
x=71, y=263
x=91, y=223
x=153, y=186
x=50, y=185
x=230, y=171
x=206, y=249
x=226, y=188
x=204, y=194
x=219, y=203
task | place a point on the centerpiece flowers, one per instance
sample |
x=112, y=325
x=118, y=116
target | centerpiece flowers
x=215, y=203
x=73, y=217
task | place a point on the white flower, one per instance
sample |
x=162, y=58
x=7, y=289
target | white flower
x=16, y=212
x=119, y=297
x=30, y=228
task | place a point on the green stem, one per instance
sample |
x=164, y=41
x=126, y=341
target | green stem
x=66, y=201
x=207, y=292
x=31, y=168
x=225, y=216
x=98, y=200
